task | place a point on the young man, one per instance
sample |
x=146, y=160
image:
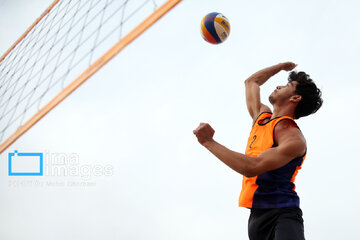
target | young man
x=275, y=152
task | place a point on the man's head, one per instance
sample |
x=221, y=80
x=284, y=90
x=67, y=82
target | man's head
x=300, y=92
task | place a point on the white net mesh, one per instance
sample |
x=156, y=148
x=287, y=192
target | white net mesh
x=60, y=47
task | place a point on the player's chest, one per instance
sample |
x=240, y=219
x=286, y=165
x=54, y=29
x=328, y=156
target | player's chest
x=259, y=140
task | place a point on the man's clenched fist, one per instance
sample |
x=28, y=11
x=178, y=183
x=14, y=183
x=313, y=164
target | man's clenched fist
x=288, y=66
x=204, y=133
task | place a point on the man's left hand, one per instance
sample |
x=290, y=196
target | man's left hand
x=204, y=133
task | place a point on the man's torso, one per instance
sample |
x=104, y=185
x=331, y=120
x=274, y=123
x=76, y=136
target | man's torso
x=272, y=189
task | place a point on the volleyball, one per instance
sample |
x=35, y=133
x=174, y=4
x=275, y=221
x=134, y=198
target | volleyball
x=215, y=28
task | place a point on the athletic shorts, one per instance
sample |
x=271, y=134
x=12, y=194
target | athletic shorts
x=276, y=224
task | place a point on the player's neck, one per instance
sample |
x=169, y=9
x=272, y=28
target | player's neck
x=280, y=111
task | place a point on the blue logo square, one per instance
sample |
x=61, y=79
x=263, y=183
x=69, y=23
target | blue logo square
x=18, y=162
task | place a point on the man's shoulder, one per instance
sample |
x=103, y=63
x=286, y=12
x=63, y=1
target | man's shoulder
x=286, y=124
x=286, y=130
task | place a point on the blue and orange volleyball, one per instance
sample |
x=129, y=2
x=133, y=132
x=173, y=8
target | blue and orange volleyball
x=215, y=28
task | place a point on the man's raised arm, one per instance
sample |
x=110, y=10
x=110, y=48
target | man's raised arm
x=253, y=83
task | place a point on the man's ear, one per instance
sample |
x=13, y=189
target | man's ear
x=295, y=98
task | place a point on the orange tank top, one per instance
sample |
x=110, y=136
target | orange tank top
x=276, y=188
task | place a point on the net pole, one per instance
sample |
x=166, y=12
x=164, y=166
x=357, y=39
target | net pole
x=29, y=29
x=93, y=68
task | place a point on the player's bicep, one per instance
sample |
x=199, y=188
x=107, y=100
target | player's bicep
x=276, y=157
x=253, y=100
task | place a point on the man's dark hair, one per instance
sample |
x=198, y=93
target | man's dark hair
x=311, y=99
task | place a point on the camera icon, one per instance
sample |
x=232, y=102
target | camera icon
x=25, y=164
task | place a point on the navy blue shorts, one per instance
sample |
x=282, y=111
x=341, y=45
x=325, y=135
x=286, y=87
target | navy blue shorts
x=276, y=224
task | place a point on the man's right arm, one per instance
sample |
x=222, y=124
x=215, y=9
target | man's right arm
x=253, y=83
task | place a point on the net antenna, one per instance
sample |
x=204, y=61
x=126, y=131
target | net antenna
x=65, y=46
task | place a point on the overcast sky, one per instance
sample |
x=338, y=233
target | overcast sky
x=134, y=120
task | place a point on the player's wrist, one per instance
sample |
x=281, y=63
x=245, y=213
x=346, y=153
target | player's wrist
x=208, y=143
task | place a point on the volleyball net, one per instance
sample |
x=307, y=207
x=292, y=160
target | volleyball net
x=65, y=46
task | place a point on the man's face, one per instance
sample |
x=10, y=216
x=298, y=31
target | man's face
x=283, y=93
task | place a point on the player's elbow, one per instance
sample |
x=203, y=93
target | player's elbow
x=250, y=173
x=252, y=170
x=252, y=80
x=255, y=168
x=249, y=80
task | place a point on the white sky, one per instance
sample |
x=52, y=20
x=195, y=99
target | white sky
x=138, y=112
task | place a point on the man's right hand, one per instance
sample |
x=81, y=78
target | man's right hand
x=288, y=66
